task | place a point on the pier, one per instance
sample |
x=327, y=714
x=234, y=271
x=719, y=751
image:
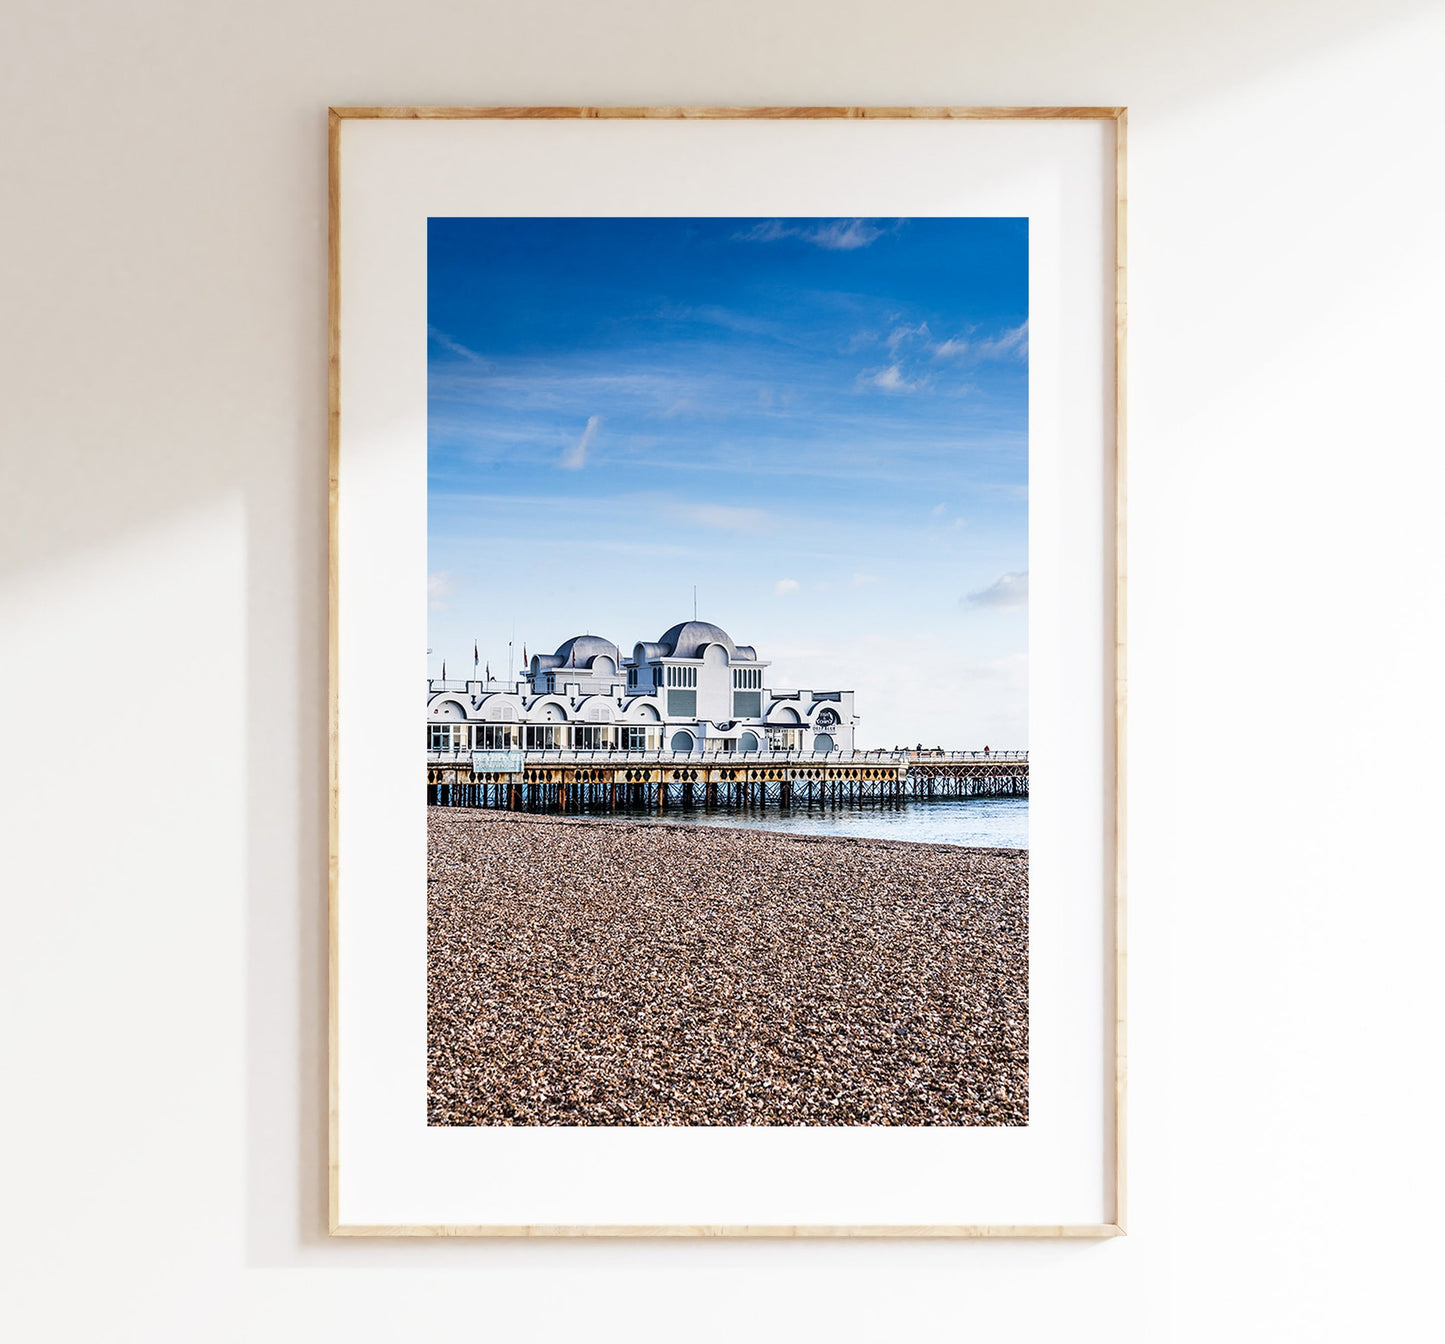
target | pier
x=564, y=780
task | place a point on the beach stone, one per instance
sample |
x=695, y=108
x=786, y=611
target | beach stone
x=586, y=972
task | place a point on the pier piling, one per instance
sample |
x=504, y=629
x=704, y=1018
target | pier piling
x=580, y=781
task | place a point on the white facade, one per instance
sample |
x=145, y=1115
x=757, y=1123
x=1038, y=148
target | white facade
x=691, y=690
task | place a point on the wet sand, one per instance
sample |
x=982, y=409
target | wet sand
x=616, y=973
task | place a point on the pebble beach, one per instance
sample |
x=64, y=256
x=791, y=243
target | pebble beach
x=587, y=972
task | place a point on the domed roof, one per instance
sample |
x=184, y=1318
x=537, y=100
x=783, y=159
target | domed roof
x=690, y=638
x=580, y=650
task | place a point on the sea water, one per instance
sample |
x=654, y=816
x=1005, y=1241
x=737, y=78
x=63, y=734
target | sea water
x=980, y=822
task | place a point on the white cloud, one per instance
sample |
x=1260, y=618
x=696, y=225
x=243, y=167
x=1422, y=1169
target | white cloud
x=890, y=379
x=940, y=509
x=1007, y=591
x=778, y=400
x=987, y=687
x=900, y=334
x=845, y=235
x=457, y=348
x=784, y=587
x=860, y=579
x=575, y=457
x=1014, y=344
x=838, y=235
x=439, y=587
x=766, y=231
x=1010, y=344
x=728, y=517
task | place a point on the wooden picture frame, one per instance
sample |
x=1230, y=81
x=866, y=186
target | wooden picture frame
x=1116, y=971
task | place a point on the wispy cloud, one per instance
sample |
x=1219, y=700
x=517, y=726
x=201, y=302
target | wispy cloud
x=786, y=587
x=1010, y=344
x=715, y=315
x=776, y=401
x=1013, y=344
x=838, y=235
x=552, y=384
x=1007, y=591
x=890, y=379
x=439, y=588
x=574, y=458
x=861, y=580
x=457, y=348
x=727, y=517
x=899, y=335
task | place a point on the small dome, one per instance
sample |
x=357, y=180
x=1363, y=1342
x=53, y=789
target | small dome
x=690, y=638
x=580, y=650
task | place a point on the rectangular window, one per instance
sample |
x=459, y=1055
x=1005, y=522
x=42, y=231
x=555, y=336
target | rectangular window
x=747, y=704
x=640, y=739
x=439, y=736
x=495, y=737
x=591, y=737
x=682, y=704
x=544, y=736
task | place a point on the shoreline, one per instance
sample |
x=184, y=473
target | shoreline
x=810, y=837
x=585, y=971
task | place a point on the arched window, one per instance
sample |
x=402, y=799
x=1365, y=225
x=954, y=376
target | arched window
x=747, y=742
x=682, y=741
x=822, y=742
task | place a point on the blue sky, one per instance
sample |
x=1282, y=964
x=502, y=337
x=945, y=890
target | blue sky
x=821, y=423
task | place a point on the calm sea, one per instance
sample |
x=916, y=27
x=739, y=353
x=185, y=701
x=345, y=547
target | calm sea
x=982, y=822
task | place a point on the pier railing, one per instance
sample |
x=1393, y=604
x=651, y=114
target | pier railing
x=554, y=756
x=563, y=756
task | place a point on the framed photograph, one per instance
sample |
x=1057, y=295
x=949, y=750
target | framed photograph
x=736, y=494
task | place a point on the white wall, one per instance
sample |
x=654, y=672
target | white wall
x=163, y=522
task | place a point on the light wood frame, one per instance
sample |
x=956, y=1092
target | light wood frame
x=1119, y=116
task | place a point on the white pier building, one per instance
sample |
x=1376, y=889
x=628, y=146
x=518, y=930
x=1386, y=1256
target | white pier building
x=692, y=690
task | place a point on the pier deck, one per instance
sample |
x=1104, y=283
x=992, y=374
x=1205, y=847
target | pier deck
x=565, y=780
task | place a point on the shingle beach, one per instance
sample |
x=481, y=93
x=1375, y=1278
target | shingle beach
x=622, y=973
